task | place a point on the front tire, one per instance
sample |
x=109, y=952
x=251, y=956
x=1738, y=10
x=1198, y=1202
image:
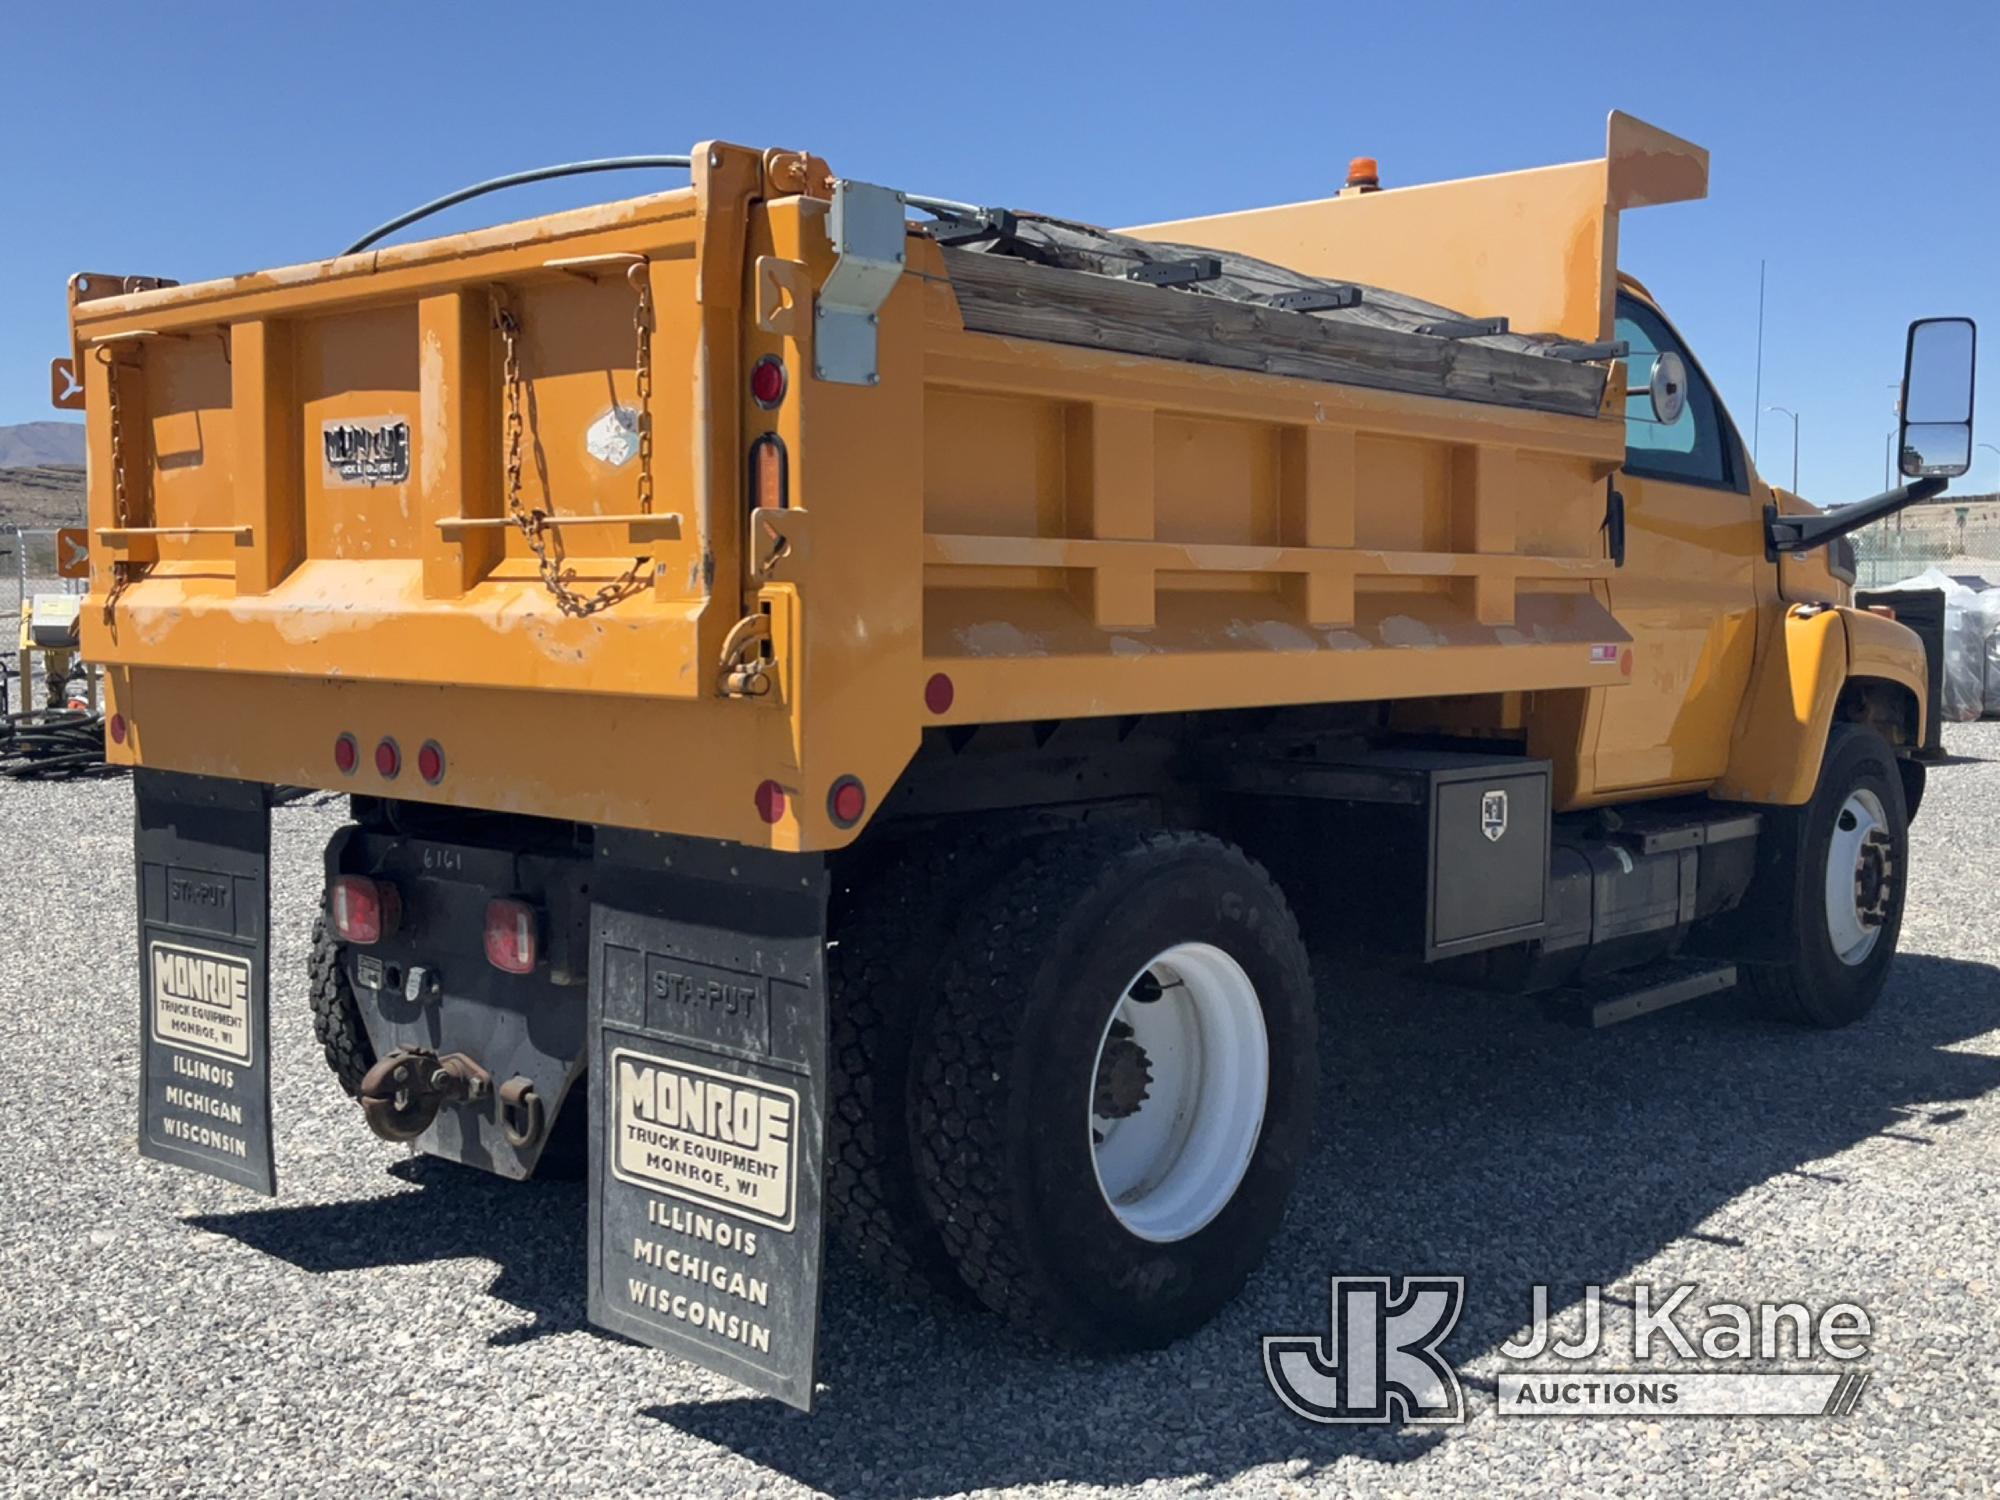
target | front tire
x=1116, y=1087
x=1843, y=877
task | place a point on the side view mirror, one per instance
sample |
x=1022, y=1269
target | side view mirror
x=1936, y=440
x=1668, y=389
x=1936, y=437
x=1665, y=392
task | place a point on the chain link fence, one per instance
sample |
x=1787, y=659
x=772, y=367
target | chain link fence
x=1885, y=553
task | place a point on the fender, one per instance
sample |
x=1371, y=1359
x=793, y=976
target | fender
x=1882, y=650
x=1780, y=733
x=1808, y=656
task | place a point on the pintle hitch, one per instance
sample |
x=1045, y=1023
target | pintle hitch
x=403, y=1093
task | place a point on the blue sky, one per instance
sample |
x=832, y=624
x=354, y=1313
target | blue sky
x=1855, y=146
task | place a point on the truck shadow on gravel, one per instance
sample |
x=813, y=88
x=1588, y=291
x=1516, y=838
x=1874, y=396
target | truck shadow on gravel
x=1461, y=1133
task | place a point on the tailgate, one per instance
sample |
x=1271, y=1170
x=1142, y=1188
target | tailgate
x=311, y=472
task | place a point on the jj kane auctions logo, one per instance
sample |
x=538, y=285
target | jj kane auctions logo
x=1381, y=1358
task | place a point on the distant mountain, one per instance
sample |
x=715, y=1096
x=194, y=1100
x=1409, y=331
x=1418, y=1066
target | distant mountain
x=34, y=445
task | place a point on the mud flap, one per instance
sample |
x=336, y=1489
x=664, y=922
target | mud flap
x=707, y=1062
x=204, y=858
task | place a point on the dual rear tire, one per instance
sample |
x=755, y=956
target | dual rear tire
x=1108, y=1072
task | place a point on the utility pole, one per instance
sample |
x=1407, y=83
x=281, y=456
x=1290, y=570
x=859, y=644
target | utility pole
x=1757, y=398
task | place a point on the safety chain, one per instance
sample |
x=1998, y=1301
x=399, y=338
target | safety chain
x=545, y=541
x=123, y=570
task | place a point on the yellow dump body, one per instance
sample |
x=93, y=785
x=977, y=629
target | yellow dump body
x=997, y=529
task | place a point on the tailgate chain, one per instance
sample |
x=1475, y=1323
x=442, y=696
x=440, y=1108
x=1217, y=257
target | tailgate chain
x=123, y=570
x=547, y=543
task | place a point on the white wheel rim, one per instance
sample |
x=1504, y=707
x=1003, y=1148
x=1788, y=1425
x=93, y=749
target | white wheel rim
x=1852, y=868
x=1168, y=1166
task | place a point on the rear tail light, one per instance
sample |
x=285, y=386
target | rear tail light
x=430, y=762
x=364, y=910
x=346, y=754
x=512, y=936
x=388, y=760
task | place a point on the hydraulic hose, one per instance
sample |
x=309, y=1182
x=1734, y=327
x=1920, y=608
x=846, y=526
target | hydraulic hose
x=516, y=179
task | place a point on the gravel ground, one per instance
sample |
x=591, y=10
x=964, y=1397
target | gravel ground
x=394, y=1326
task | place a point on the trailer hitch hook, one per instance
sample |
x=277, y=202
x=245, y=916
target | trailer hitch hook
x=402, y=1094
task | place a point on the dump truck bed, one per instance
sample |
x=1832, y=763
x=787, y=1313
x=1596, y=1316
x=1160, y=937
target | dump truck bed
x=302, y=482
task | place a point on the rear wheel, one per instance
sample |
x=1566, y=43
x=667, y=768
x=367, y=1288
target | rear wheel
x=1843, y=879
x=891, y=933
x=336, y=1016
x=1116, y=1087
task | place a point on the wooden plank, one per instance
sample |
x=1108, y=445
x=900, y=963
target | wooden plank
x=999, y=294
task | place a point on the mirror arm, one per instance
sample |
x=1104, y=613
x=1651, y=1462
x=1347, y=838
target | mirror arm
x=1803, y=533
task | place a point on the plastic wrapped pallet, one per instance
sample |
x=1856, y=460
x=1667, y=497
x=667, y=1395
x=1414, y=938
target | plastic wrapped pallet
x=1967, y=625
x=1985, y=609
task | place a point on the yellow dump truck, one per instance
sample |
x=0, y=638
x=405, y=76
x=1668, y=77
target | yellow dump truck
x=852, y=702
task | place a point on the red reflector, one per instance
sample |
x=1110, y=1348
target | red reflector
x=511, y=931
x=117, y=729
x=346, y=754
x=770, y=801
x=364, y=910
x=388, y=760
x=430, y=762
x=767, y=382
x=938, y=693
x=847, y=801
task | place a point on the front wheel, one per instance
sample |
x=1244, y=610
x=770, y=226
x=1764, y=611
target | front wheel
x=1115, y=1089
x=1845, y=876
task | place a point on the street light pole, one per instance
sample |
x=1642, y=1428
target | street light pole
x=1795, y=442
x=1988, y=447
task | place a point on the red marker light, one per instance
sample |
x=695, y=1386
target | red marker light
x=364, y=910
x=117, y=727
x=511, y=936
x=388, y=760
x=346, y=754
x=430, y=762
x=939, y=693
x=767, y=382
x=846, y=802
x=770, y=801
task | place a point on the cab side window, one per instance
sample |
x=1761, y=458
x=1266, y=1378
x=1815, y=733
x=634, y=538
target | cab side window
x=1698, y=448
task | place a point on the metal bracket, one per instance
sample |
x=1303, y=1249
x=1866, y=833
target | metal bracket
x=1583, y=354
x=1318, y=299
x=1176, y=272
x=866, y=227
x=990, y=224
x=65, y=389
x=1464, y=328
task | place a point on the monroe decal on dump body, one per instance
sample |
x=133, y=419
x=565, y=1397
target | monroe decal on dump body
x=710, y=1137
x=367, y=452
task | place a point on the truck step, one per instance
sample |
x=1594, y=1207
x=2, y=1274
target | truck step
x=1657, y=987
